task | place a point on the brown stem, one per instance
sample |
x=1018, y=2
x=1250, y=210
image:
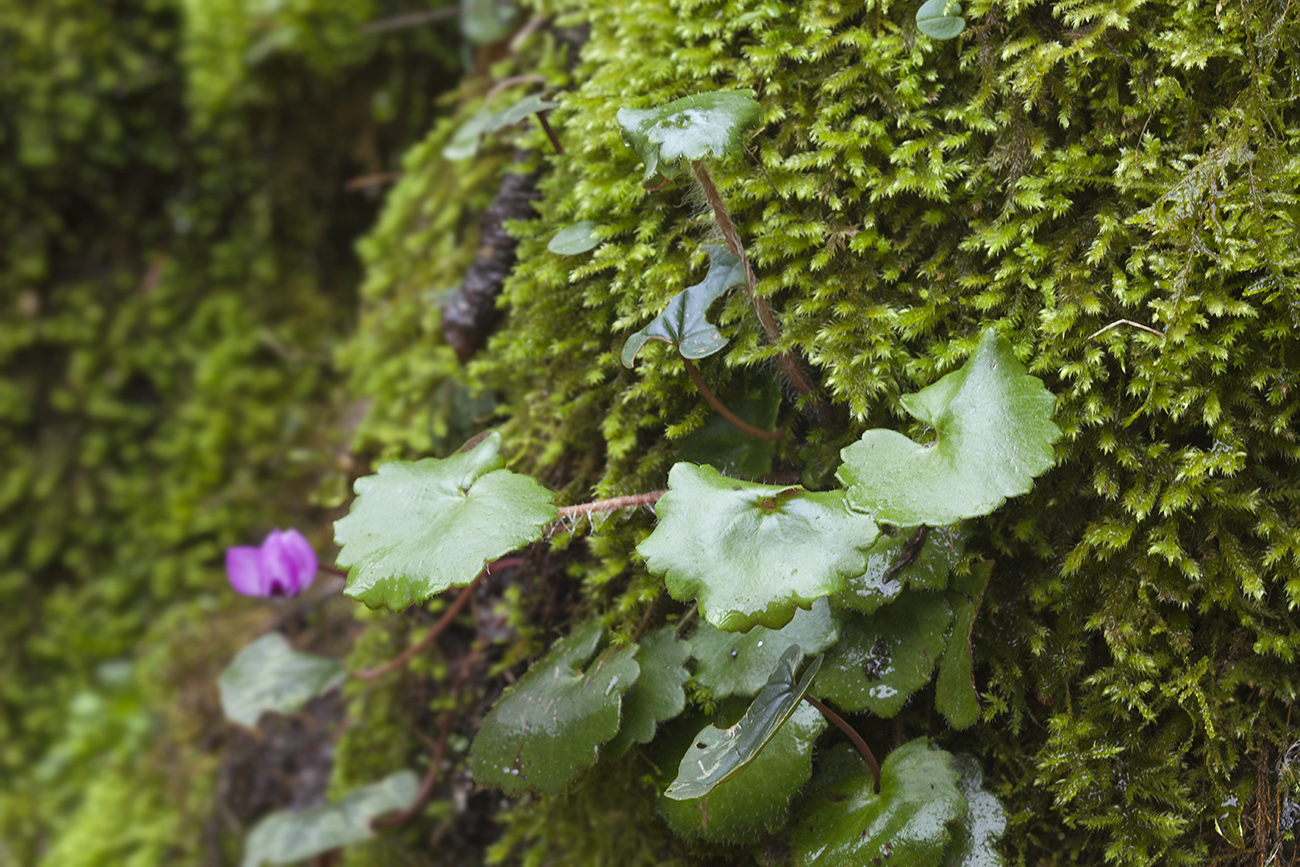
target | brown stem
x=440, y=627
x=409, y=19
x=852, y=734
x=550, y=133
x=426, y=785
x=582, y=510
x=761, y=307
x=694, y=374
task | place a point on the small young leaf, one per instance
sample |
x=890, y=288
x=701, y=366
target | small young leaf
x=751, y=554
x=940, y=19
x=727, y=448
x=683, y=321
x=575, y=238
x=883, y=658
x=908, y=823
x=270, y=675
x=984, y=824
x=486, y=21
x=511, y=115
x=416, y=529
x=691, y=128
x=994, y=434
x=287, y=837
x=954, y=689
x=919, y=557
x=657, y=694
x=465, y=142
x=718, y=754
x=756, y=801
x=550, y=724
x=740, y=663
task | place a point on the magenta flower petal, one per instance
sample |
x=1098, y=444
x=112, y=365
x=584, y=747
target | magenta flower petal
x=244, y=569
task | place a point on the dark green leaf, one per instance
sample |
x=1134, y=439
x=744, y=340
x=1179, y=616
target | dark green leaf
x=511, y=115
x=683, y=321
x=883, y=658
x=984, y=824
x=270, y=675
x=908, y=823
x=919, y=557
x=550, y=724
x=755, y=801
x=692, y=128
x=955, y=695
x=286, y=837
x=657, y=694
x=727, y=448
x=994, y=434
x=717, y=754
x=752, y=554
x=416, y=529
x=940, y=19
x=575, y=238
x=740, y=663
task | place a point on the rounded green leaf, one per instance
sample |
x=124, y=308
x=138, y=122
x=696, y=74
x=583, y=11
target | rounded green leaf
x=550, y=724
x=288, y=837
x=757, y=799
x=940, y=19
x=658, y=693
x=683, y=321
x=740, y=663
x=416, y=529
x=882, y=658
x=270, y=675
x=918, y=557
x=954, y=689
x=993, y=435
x=692, y=128
x=575, y=238
x=752, y=554
x=984, y=824
x=909, y=823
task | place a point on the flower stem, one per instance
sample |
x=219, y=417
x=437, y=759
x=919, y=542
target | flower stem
x=718, y=405
x=761, y=307
x=852, y=733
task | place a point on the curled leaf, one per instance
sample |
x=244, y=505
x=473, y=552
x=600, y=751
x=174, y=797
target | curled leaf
x=740, y=663
x=683, y=321
x=993, y=436
x=692, y=128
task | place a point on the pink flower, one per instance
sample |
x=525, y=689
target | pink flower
x=284, y=565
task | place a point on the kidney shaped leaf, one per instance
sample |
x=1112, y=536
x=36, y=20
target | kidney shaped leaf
x=994, y=434
x=691, y=128
x=908, y=823
x=551, y=723
x=416, y=529
x=718, y=754
x=286, y=837
x=270, y=675
x=732, y=663
x=575, y=238
x=683, y=321
x=940, y=19
x=658, y=693
x=751, y=554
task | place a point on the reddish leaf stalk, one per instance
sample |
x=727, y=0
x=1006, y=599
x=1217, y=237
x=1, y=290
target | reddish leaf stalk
x=722, y=409
x=426, y=785
x=852, y=734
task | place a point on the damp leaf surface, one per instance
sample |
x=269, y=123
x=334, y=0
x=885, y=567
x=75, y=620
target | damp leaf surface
x=658, y=693
x=683, y=322
x=740, y=663
x=691, y=128
x=954, y=689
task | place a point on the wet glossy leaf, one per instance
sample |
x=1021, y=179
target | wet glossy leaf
x=919, y=557
x=287, y=837
x=940, y=19
x=954, y=690
x=909, y=823
x=692, y=128
x=993, y=435
x=658, y=694
x=416, y=529
x=270, y=675
x=883, y=658
x=575, y=238
x=683, y=322
x=755, y=801
x=550, y=724
x=752, y=554
x=984, y=824
x=511, y=115
x=740, y=663
x=718, y=754
x=727, y=448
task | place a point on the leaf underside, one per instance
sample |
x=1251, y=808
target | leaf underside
x=692, y=128
x=683, y=322
x=270, y=675
x=994, y=435
x=753, y=554
x=418, y=528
